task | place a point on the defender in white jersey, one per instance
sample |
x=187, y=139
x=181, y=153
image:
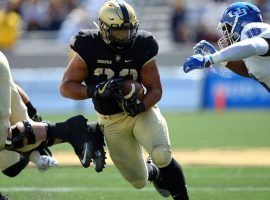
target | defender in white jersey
x=246, y=40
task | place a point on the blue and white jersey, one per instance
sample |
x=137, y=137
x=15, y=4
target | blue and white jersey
x=258, y=66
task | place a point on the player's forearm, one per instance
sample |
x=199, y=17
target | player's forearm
x=241, y=50
x=73, y=90
x=22, y=93
x=152, y=97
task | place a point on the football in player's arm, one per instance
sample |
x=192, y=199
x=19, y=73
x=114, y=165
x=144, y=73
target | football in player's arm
x=247, y=45
x=104, y=59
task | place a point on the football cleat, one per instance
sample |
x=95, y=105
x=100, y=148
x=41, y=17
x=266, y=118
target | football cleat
x=85, y=154
x=158, y=181
x=4, y=197
x=80, y=139
x=99, y=160
x=99, y=154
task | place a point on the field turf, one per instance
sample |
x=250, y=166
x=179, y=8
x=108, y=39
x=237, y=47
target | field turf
x=237, y=130
x=69, y=183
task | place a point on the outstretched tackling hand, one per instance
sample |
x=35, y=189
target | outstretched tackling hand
x=204, y=48
x=197, y=61
x=46, y=162
x=109, y=88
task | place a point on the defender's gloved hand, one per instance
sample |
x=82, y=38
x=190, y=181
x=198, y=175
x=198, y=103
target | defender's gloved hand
x=36, y=118
x=109, y=88
x=32, y=112
x=204, y=48
x=132, y=106
x=46, y=162
x=197, y=61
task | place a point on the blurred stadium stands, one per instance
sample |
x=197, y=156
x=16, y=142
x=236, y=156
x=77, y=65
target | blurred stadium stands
x=39, y=55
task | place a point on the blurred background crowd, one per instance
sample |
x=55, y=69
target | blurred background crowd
x=179, y=21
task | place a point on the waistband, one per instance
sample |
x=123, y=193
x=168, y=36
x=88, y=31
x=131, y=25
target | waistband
x=111, y=116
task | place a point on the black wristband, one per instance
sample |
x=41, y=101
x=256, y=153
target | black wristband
x=31, y=110
x=91, y=91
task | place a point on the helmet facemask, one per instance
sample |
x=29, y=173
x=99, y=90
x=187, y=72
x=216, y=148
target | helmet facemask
x=229, y=36
x=119, y=37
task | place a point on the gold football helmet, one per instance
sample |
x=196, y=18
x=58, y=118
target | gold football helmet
x=118, y=24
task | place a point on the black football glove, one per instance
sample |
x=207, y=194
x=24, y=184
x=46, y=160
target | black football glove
x=36, y=118
x=109, y=88
x=132, y=106
x=32, y=112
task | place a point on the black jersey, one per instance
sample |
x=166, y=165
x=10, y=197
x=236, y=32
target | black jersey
x=104, y=63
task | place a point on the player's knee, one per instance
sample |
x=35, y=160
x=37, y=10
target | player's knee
x=137, y=179
x=16, y=168
x=139, y=184
x=162, y=156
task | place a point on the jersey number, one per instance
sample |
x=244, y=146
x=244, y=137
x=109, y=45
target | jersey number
x=253, y=32
x=110, y=73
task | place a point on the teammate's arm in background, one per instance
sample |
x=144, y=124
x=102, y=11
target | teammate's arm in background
x=31, y=110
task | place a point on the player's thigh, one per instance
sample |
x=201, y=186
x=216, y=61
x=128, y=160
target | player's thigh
x=5, y=110
x=18, y=108
x=8, y=158
x=152, y=132
x=124, y=149
x=5, y=98
x=5, y=86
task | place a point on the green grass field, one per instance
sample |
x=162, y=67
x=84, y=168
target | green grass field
x=212, y=130
x=205, y=183
x=238, y=130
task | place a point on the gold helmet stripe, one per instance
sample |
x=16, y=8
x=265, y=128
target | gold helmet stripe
x=124, y=11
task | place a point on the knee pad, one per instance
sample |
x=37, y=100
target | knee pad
x=19, y=139
x=161, y=156
x=16, y=168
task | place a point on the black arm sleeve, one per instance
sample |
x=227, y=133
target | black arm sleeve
x=78, y=44
x=152, y=46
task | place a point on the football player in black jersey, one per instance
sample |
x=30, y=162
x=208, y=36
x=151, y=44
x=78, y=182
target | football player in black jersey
x=103, y=59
